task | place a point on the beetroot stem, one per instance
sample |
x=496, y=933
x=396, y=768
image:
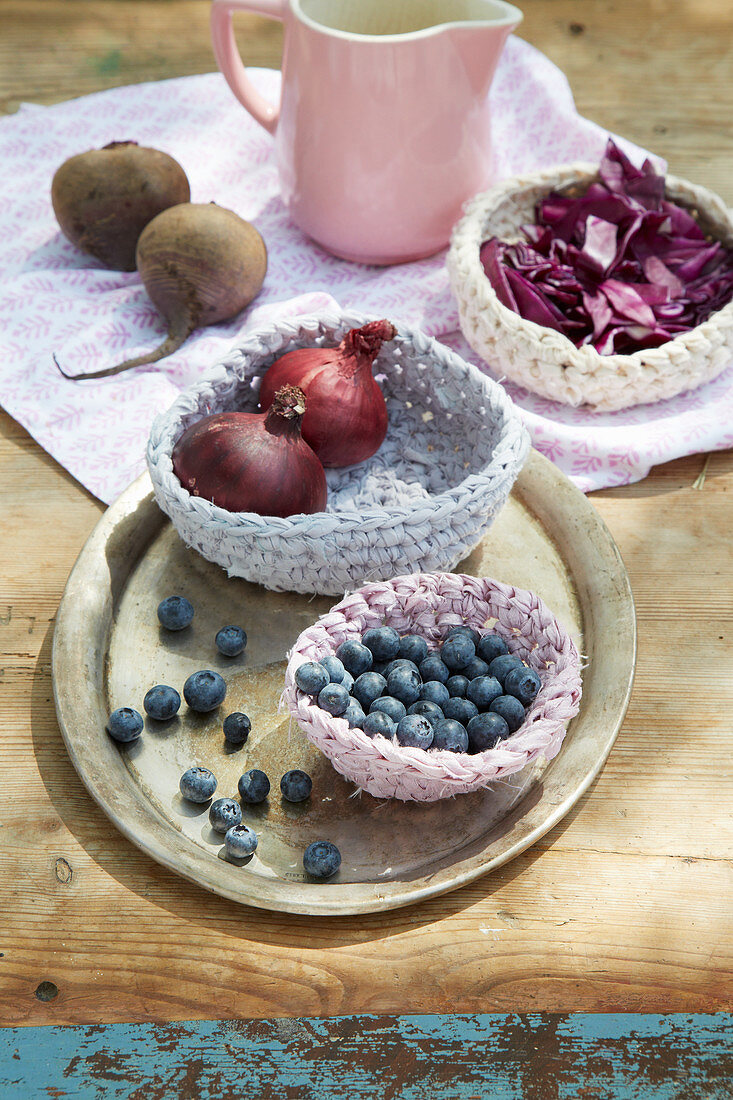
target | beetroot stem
x=172, y=343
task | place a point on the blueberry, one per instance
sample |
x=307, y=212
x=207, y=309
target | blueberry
x=334, y=668
x=240, y=841
x=491, y=646
x=457, y=651
x=368, y=687
x=204, y=690
x=485, y=731
x=380, y=667
x=450, y=735
x=467, y=630
x=432, y=668
x=399, y=662
x=483, y=690
x=348, y=681
x=175, y=613
x=391, y=706
x=415, y=731
x=523, y=684
x=355, y=657
x=413, y=647
x=428, y=710
x=231, y=641
x=296, y=785
x=435, y=692
x=311, y=677
x=404, y=684
x=503, y=664
x=457, y=686
x=334, y=698
x=383, y=641
x=462, y=710
x=253, y=786
x=321, y=859
x=162, y=702
x=510, y=709
x=377, y=722
x=475, y=667
x=354, y=714
x=197, y=784
x=237, y=728
x=224, y=813
x=125, y=724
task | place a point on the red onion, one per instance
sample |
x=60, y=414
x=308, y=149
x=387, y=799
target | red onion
x=346, y=419
x=253, y=462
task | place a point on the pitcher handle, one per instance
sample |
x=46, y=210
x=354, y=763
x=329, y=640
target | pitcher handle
x=228, y=58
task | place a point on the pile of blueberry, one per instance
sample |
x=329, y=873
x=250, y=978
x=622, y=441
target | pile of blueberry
x=204, y=691
x=467, y=696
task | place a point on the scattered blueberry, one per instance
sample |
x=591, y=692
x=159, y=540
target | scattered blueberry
x=377, y=722
x=450, y=735
x=413, y=647
x=523, y=684
x=503, y=664
x=204, y=690
x=311, y=677
x=432, y=668
x=125, y=724
x=354, y=714
x=457, y=651
x=224, y=813
x=368, y=687
x=475, y=667
x=334, y=668
x=348, y=681
x=383, y=641
x=321, y=859
x=197, y=784
x=435, y=692
x=399, y=662
x=404, y=684
x=467, y=630
x=428, y=710
x=511, y=711
x=237, y=727
x=175, y=613
x=415, y=731
x=391, y=706
x=334, y=698
x=296, y=785
x=457, y=686
x=355, y=657
x=462, y=710
x=253, y=786
x=231, y=641
x=491, y=646
x=483, y=690
x=162, y=702
x=485, y=731
x=240, y=841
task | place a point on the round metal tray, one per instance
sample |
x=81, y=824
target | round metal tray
x=108, y=650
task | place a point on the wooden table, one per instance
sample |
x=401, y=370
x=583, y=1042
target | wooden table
x=626, y=905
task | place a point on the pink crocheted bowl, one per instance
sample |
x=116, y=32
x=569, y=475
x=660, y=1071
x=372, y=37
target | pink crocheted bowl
x=430, y=604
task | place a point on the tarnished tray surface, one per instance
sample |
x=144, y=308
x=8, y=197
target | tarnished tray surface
x=108, y=650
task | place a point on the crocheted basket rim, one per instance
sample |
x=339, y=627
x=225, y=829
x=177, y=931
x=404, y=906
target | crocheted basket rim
x=386, y=769
x=603, y=380
x=472, y=485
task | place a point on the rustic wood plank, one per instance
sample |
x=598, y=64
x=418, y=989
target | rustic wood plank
x=539, y=1057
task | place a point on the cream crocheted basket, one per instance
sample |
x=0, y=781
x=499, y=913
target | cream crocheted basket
x=430, y=604
x=454, y=447
x=548, y=363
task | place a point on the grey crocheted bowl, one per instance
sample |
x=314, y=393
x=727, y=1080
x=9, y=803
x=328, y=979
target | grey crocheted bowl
x=545, y=361
x=454, y=447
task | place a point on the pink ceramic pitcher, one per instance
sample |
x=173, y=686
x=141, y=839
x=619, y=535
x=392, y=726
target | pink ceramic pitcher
x=383, y=127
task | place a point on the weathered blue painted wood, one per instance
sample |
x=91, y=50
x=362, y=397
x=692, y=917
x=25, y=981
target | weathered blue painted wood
x=482, y=1057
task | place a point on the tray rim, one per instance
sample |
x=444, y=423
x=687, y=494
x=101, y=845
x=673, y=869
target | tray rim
x=123, y=801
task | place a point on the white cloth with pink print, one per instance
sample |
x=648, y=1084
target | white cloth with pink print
x=54, y=300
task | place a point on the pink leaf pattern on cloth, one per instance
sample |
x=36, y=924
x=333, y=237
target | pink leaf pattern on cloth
x=55, y=300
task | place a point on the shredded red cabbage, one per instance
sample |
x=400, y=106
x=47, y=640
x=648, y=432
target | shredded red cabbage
x=618, y=267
